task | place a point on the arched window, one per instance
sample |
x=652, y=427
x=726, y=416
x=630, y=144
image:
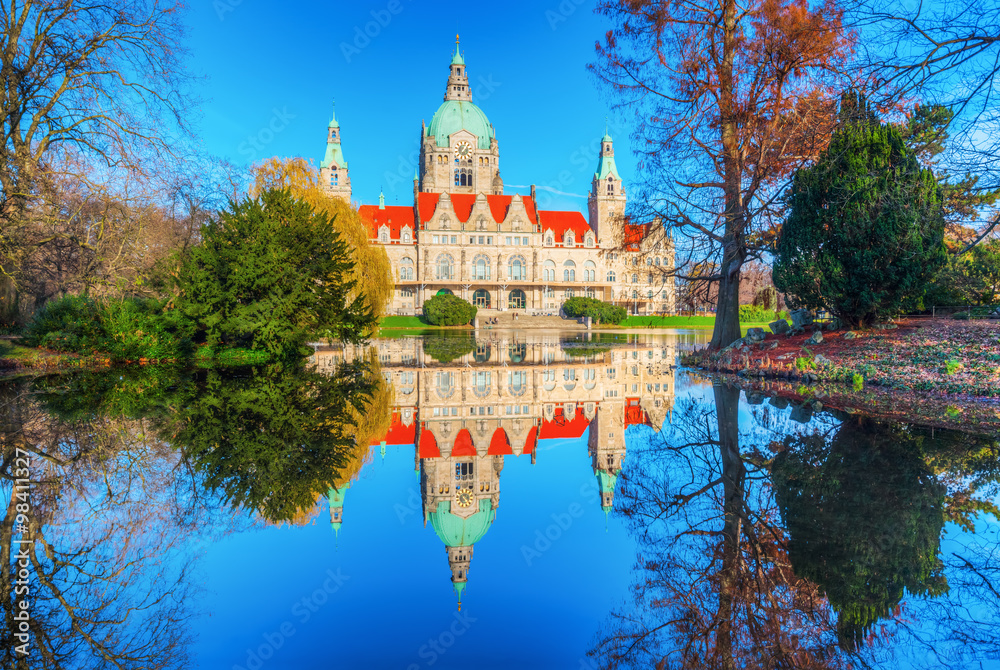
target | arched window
x=611, y=185
x=611, y=275
x=589, y=271
x=657, y=262
x=407, y=237
x=445, y=267
x=589, y=240
x=517, y=269
x=481, y=267
x=445, y=383
x=548, y=240
x=406, y=269
x=649, y=261
x=383, y=235
x=549, y=271
x=569, y=271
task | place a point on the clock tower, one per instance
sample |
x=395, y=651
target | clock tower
x=459, y=150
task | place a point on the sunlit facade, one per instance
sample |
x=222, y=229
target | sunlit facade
x=463, y=235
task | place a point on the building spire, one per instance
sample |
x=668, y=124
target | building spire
x=458, y=78
x=333, y=116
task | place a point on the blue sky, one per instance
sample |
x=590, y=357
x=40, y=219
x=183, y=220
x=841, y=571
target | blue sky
x=270, y=70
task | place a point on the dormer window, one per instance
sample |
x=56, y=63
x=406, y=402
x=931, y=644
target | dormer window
x=570, y=239
x=589, y=240
x=548, y=240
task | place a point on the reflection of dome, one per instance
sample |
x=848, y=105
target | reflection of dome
x=455, y=115
x=455, y=531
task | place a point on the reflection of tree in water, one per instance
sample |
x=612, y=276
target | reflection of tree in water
x=111, y=516
x=446, y=346
x=122, y=486
x=865, y=511
x=864, y=514
x=715, y=588
x=274, y=439
x=723, y=584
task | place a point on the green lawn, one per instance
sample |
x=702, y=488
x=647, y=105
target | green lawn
x=404, y=322
x=680, y=322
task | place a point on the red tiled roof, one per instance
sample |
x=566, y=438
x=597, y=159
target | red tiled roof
x=398, y=433
x=463, y=203
x=634, y=234
x=500, y=444
x=463, y=444
x=559, y=427
x=634, y=414
x=393, y=216
x=529, y=444
x=428, y=447
x=560, y=222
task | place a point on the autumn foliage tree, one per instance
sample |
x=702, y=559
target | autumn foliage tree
x=733, y=97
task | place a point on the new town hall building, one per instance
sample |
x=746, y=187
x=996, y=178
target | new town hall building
x=464, y=236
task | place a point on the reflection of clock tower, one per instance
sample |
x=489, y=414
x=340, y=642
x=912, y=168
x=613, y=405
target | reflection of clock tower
x=459, y=149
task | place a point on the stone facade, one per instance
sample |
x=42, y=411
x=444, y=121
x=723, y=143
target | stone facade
x=464, y=236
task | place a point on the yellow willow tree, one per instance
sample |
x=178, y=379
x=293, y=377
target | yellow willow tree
x=372, y=270
x=730, y=99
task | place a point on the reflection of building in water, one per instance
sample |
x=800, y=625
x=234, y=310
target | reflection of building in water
x=499, y=399
x=336, y=497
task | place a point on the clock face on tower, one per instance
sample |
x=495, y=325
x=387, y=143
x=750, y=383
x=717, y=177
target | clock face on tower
x=464, y=150
x=465, y=498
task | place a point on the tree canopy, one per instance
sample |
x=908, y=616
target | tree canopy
x=865, y=227
x=270, y=272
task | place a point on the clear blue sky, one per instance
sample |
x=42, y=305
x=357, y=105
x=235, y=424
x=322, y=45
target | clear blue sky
x=270, y=70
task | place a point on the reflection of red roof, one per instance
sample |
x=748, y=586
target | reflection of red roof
x=529, y=444
x=463, y=444
x=463, y=203
x=559, y=427
x=428, y=445
x=634, y=414
x=394, y=217
x=500, y=444
x=398, y=433
x=560, y=222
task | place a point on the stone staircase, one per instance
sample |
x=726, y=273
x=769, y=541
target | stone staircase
x=505, y=320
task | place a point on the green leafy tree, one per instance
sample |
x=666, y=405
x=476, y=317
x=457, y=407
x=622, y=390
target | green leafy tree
x=866, y=226
x=445, y=309
x=270, y=272
x=864, y=514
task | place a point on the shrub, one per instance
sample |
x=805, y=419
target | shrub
x=859, y=382
x=865, y=228
x=444, y=347
x=755, y=314
x=951, y=367
x=599, y=311
x=449, y=310
x=122, y=330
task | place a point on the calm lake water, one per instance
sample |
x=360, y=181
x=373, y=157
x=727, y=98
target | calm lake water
x=521, y=499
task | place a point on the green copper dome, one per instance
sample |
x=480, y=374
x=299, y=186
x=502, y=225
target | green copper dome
x=455, y=115
x=606, y=483
x=455, y=531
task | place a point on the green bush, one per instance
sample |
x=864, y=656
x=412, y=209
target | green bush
x=859, y=382
x=755, y=314
x=449, y=310
x=122, y=330
x=446, y=346
x=599, y=311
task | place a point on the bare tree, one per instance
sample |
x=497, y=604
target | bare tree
x=90, y=91
x=732, y=99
